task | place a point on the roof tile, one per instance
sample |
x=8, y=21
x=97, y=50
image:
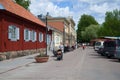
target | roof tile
x=57, y=24
x=14, y=8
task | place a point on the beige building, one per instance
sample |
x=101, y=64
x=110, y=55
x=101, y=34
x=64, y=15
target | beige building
x=63, y=32
x=72, y=32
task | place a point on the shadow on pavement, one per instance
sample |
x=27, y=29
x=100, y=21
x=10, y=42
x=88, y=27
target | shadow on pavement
x=114, y=60
x=97, y=56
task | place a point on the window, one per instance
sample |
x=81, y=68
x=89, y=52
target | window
x=109, y=44
x=57, y=39
x=40, y=36
x=33, y=36
x=30, y=35
x=48, y=39
x=13, y=33
x=26, y=34
x=118, y=42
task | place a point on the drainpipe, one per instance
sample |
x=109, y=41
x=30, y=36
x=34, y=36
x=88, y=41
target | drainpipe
x=46, y=31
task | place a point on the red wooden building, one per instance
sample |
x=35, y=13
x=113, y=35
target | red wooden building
x=21, y=33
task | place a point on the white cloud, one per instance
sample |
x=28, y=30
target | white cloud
x=100, y=8
x=103, y=8
x=99, y=1
x=92, y=1
x=96, y=8
x=43, y=6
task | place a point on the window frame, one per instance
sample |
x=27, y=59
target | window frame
x=26, y=36
x=33, y=36
x=41, y=37
x=13, y=33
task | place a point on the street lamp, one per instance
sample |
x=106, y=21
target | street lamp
x=46, y=31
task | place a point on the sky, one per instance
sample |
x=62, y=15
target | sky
x=74, y=8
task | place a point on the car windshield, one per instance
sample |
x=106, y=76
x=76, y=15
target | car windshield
x=118, y=42
x=97, y=43
x=109, y=44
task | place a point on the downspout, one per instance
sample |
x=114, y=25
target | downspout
x=63, y=34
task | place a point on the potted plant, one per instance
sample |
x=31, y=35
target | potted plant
x=42, y=57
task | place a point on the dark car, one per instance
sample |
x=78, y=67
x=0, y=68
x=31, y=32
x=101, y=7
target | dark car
x=100, y=50
x=111, y=47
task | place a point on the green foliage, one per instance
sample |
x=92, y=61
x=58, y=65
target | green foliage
x=112, y=23
x=24, y=3
x=85, y=21
x=42, y=54
x=90, y=32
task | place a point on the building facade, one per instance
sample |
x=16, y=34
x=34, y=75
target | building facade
x=65, y=32
x=72, y=32
x=58, y=32
x=21, y=33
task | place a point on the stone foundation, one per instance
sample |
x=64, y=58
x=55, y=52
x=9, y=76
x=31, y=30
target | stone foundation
x=14, y=54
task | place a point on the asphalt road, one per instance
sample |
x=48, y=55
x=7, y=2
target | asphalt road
x=76, y=65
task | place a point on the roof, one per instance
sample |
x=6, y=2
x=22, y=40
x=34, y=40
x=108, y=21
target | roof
x=18, y=10
x=99, y=39
x=63, y=19
x=57, y=24
x=109, y=37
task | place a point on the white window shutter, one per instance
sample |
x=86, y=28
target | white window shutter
x=42, y=37
x=35, y=37
x=9, y=35
x=39, y=36
x=17, y=33
x=9, y=32
x=25, y=34
x=29, y=35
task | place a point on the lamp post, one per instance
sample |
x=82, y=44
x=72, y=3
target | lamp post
x=46, y=31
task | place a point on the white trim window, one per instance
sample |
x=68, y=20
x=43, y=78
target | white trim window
x=40, y=36
x=48, y=39
x=57, y=39
x=26, y=34
x=13, y=33
x=33, y=36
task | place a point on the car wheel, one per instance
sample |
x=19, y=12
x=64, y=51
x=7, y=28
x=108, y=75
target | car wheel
x=102, y=54
x=109, y=56
x=119, y=60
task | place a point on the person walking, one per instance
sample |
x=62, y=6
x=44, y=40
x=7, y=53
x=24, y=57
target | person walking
x=83, y=46
x=61, y=47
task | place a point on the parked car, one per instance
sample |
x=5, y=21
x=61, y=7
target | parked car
x=101, y=50
x=98, y=45
x=112, y=48
x=117, y=54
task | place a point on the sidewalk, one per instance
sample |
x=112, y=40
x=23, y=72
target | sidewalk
x=11, y=64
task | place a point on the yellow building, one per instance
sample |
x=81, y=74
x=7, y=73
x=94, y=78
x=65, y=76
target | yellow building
x=64, y=31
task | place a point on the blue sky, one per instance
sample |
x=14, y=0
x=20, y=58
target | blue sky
x=74, y=8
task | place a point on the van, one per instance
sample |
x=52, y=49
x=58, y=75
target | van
x=112, y=48
x=98, y=45
x=117, y=54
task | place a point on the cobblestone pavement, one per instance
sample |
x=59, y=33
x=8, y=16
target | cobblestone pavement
x=76, y=65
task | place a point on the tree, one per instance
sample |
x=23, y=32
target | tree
x=85, y=21
x=90, y=32
x=112, y=23
x=24, y=3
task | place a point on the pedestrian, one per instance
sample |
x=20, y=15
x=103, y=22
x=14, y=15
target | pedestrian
x=83, y=46
x=61, y=47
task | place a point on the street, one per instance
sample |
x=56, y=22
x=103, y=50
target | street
x=76, y=65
